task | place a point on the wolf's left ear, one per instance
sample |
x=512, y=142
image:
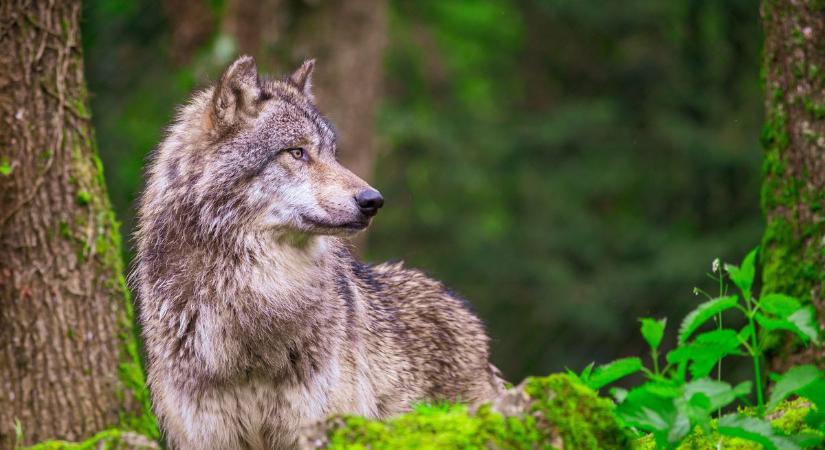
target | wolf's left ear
x=302, y=77
x=237, y=93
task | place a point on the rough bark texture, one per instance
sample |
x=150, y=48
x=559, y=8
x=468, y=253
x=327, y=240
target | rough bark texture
x=793, y=193
x=68, y=363
x=347, y=38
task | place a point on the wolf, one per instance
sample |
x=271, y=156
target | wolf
x=257, y=320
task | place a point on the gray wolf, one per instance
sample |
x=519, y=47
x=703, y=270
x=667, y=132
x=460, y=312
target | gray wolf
x=257, y=319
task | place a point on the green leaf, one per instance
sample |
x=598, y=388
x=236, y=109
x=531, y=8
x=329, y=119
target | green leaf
x=745, y=333
x=719, y=393
x=650, y=411
x=743, y=389
x=703, y=313
x=653, y=330
x=619, y=394
x=743, y=276
x=697, y=408
x=792, y=381
x=608, y=373
x=803, y=318
x=756, y=430
x=585, y=375
x=705, y=351
x=779, y=305
x=815, y=392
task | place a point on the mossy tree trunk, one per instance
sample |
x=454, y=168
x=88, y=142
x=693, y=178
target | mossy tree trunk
x=68, y=360
x=793, y=191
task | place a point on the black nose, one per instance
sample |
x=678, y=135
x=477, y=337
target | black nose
x=369, y=200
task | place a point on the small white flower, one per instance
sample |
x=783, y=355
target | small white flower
x=715, y=265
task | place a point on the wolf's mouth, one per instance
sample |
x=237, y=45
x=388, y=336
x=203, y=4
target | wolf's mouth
x=354, y=225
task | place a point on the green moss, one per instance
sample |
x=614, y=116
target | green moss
x=108, y=248
x=111, y=439
x=791, y=252
x=5, y=166
x=436, y=427
x=101, y=241
x=582, y=418
x=108, y=440
x=563, y=413
x=84, y=198
x=817, y=110
x=789, y=262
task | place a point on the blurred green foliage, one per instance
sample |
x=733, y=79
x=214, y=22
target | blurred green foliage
x=566, y=165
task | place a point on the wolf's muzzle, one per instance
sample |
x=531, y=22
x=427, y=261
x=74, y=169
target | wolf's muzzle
x=369, y=202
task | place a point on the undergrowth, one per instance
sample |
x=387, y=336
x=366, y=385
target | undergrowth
x=684, y=399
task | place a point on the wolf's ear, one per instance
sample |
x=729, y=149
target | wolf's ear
x=302, y=77
x=237, y=93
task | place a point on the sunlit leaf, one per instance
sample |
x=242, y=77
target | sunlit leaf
x=619, y=394
x=703, y=313
x=754, y=429
x=792, y=381
x=804, y=317
x=585, y=375
x=719, y=393
x=743, y=389
x=805, y=321
x=616, y=370
x=815, y=392
x=648, y=411
x=742, y=276
x=706, y=351
x=653, y=330
x=779, y=304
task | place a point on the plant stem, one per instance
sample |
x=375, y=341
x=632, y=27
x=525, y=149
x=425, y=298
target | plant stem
x=719, y=322
x=654, y=354
x=756, y=355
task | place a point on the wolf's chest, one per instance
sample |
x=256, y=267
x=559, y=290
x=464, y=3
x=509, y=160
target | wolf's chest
x=262, y=414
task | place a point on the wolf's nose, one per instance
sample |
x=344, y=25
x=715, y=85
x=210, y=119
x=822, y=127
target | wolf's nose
x=369, y=200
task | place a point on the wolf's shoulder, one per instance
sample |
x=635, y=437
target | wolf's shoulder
x=397, y=275
x=409, y=288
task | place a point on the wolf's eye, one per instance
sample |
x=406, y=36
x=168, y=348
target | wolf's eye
x=297, y=153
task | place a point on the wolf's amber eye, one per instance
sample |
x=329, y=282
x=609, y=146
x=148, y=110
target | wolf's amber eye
x=297, y=153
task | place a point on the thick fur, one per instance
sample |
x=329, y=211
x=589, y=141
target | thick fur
x=256, y=318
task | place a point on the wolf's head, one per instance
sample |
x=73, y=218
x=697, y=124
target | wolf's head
x=257, y=153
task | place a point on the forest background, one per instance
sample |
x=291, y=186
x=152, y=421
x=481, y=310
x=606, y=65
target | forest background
x=567, y=166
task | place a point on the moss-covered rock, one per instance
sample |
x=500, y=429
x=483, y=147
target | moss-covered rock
x=554, y=412
x=113, y=439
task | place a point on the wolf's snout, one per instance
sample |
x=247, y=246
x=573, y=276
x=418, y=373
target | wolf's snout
x=369, y=201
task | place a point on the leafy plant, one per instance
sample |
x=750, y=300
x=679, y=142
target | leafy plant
x=683, y=395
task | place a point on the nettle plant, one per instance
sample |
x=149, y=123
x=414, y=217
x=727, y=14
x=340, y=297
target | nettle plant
x=684, y=392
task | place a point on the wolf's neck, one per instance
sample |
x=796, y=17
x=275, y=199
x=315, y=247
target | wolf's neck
x=295, y=269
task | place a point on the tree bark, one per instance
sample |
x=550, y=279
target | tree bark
x=191, y=23
x=793, y=191
x=68, y=360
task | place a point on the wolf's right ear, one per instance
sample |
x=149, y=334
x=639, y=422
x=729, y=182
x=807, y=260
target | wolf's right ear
x=237, y=93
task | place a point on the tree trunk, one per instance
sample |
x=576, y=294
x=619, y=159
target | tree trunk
x=191, y=23
x=348, y=39
x=68, y=360
x=793, y=191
